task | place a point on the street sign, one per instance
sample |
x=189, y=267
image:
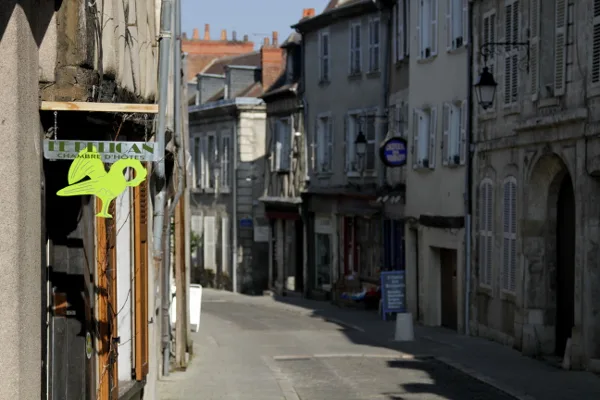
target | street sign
x=393, y=152
x=107, y=152
x=393, y=291
x=246, y=223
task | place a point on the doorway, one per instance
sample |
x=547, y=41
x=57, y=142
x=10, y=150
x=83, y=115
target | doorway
x=448, y=287
x=565, y=265
x=299, y=256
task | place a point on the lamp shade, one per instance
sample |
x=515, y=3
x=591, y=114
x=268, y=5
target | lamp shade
x=485, y=88
x=360, y=144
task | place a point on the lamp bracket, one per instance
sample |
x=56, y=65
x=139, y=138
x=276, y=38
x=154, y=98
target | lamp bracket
x=490, y=49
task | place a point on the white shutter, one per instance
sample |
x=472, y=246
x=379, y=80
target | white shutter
x=464, y=125
x=204, y=178
x=560, y=47
x=278, y=145
x=415, y=128
x=596, y=43
x=399, y=48
x=446, y=133
x=534, y=48
x=432, y=136
x=489, y=211
x=345, y=135
x=510, y=235
x=448, y=31
x=434, y=27
x=483, y=276
x=420, y=49
x=225, y=244
x=329, y=143
x=465, y=21
x=209, y=243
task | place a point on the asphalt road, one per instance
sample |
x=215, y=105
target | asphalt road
x=249, y=352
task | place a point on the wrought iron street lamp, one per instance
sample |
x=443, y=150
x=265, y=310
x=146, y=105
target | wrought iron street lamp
x=485, y=88
x=360, y=144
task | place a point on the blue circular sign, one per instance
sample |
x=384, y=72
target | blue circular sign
x=393, y=152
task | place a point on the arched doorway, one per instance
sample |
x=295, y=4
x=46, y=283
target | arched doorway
x=565, y=264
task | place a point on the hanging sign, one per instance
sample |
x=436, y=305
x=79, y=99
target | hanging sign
x=107, y=186
x=393, y=152
x=108, y=152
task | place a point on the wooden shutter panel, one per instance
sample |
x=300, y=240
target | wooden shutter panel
x=210, y=259
x=534, y=48
x=596, y=43
x=464, y=125
x=432, y=136
x=434, y=27
x=507, y=58
x=415, y=144
x=560, y=47
x=448, y=30
x=140, y=232
x=446, y=134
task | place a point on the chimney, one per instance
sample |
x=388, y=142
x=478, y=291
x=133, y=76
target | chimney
x=195, y=34
x=234, y=36
x=184, y=36
x=275, y=40
x=206, y=32
x=308, y=13
x=245, y=38
x=223, y=34
x=272, y=63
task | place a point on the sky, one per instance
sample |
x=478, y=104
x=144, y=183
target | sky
x=257, y=19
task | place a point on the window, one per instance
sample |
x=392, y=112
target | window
x=454, y=130
x=424, y=137
x=324, y=56
x=324, y=143
x=401, y=28
x=225, y=159
x=283, y=137
x=560, y=46
x=399, y=113
x=211, y=158
x=511, y=59
x=355, y=53
x=457, y=14
x=486, y=215
x=352, y=128
x=371, y=134
x=427, y=28
x=509, y=246
x=596, y=43
x=289, y=66
x=489, y=36
x=374, y=33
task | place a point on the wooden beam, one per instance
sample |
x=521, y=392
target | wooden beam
x=99, y=107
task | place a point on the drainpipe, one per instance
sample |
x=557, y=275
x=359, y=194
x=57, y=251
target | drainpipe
x=161, y=188
x=386, y=94
x=468, y=173
x=177, y=114
x=234, y=228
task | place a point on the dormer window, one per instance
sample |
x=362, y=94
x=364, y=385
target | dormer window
x=289, y=66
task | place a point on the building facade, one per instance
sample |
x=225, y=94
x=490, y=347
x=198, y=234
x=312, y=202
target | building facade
x=535, y=180
x=285, y=173
x=343, y=89
x=437, y=50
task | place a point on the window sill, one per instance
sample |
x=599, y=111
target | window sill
x=487, y=115
x=485, y=289
x=427, y=60
x=549, y=102
x=457, y=50
x=373, y=74
x=324, y=82
x=354, y=76
x=399, y=64
x=507, y=295
x=366, y=174
x=324, y=175
x=511, y=109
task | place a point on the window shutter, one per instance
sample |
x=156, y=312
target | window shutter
x=278, y=145
x=351, y=49
x=432, y=136
x=464, y=125
x=399, y=48
x=482, y=233
x=345, y=143
x=204, y=164
x=413, y=149
x=225, y=244
x=596, y=43
x=140, y=204
x=534, y=48
x=209, y=243
x=513, y=236
x=510, y=235
x=420, y=49
x=506, y=236
x=329, y=144
x=465, y=21
x=434, y=27
x=560, y=47
x=446, y=134
x=286, y=140
x=489, y=230
x=448, y=32
x=404, y=119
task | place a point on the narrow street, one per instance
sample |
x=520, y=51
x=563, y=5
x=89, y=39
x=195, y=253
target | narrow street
x=251, y=351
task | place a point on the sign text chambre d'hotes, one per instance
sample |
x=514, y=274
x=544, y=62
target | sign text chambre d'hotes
x=108, y=152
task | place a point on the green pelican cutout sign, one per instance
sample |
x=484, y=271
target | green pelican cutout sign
x=107, y=186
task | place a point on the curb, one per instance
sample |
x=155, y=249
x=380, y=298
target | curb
x=485, y=379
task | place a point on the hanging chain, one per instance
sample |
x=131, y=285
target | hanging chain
x=55, y=125
x=145, y=127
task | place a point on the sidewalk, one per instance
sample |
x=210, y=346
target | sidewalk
x=497, y=365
